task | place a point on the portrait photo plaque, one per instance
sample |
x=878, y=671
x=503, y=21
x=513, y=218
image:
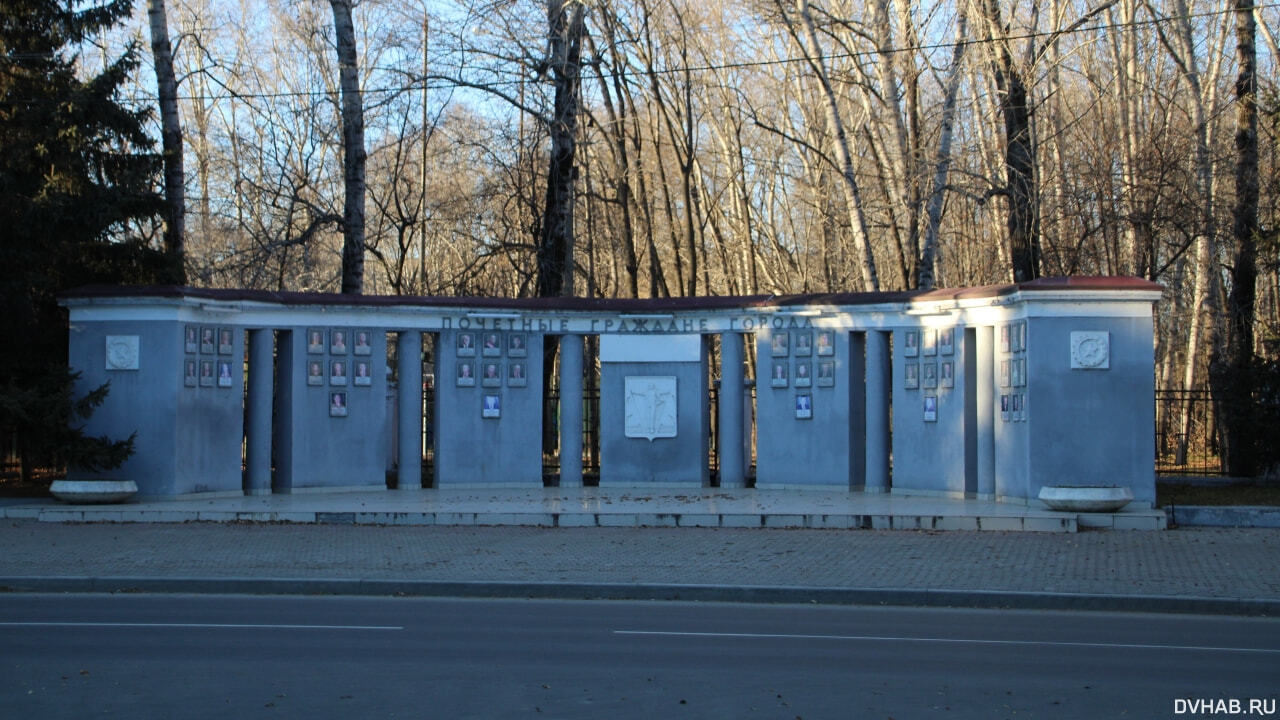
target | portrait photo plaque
x=191, y=342
x=930, y=372
x=338, y=372
x=804, y=377
x=826, y=342
x=931, y=408
x=491, y=406
x=364, y=343
x=1004, y=408
x=516, y=375
x=491, y=374
x=315, y=372
x=804, y=406
x=466, y=374
x=224, y=374
x=206, y=373
x=225, y=342
x=517, y=345
x=911, y=343
x=826, y=372
x=466, y=344
x=947, y=341
x=1005, y=374
x=491, y=345
x=947, y=375
x=778, y=375
x=930, y=344
x=780, y=344
x=315, y=341
x=911, y=376
x=338, y=341
x=206, y=341
x=804, y=343
x=1004, y=338
x=337, y=404
x=363, y=374
x=649, y=406
x=189, y=376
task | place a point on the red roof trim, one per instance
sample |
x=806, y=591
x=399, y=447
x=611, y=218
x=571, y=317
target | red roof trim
x=613, y=304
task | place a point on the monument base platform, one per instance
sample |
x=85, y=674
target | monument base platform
x=603, y=507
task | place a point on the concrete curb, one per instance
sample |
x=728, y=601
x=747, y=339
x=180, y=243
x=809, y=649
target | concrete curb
x=1245, y=516
x=982, y=599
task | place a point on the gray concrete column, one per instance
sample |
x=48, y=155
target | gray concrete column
x=258, y=428
x=730, y=432
x=571, y=410
x=878, y=389
x=986, y=396
x=409, y=407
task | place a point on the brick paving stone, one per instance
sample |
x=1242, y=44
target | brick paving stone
x=1200, y=562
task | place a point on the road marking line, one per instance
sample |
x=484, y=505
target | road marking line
x=187, y=626
x=885, y=638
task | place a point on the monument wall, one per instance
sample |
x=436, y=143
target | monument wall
x=986, y=392
x=810, y=405
x=489, y=405
x=331, y=412
x=1092, y=377
x=929, y=403
x=655, y=391
x=179, y=386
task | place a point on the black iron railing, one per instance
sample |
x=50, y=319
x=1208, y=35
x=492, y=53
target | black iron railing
x=1187, y=439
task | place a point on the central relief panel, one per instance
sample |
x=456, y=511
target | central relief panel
x=650, y=406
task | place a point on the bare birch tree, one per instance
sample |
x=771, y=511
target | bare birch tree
x=807, y=39
x=942, y=164
x=170, y=133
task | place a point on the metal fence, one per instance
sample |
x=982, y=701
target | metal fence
x=1187, y=439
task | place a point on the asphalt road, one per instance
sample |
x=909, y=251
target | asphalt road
x=142, y=656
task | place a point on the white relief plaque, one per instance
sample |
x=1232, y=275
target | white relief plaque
x=650, y=406
x=1090, y=350
x=122, y=352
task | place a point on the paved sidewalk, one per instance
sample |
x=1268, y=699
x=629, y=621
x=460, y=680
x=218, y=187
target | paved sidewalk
x=1182, y=570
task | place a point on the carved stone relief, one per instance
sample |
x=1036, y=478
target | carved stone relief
x=650, y=406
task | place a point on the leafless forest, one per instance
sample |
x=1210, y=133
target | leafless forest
x=731, y=147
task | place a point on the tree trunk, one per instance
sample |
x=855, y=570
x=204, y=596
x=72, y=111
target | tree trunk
x=555, y=247
x=853, y=196
x=170, y=133
x=1179, y=41
x=928, y=255
x=353, y=152
x=1124, y=48
x=617, y=134
x=1023, y=223
x=1236, y=371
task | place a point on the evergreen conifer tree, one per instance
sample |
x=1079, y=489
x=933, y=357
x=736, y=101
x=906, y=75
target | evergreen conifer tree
x=78, y=183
